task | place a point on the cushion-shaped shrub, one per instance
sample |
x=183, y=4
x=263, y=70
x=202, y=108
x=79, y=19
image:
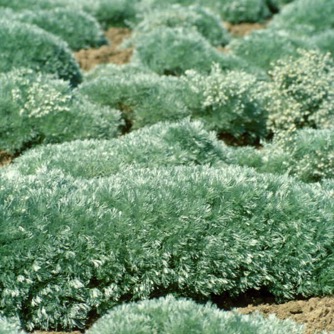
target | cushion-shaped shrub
x=8, y=326
x=307, y=155
x=170, y=315
x=30, y=4
x=193, y=17
x=301, y=93
x=227, y=102
x=143, y=98
x=274, y=45
x=163, y=144
x=79, y=29
x=38, y=108
x=25, y=45
x=174, y=50
x=71, y=248
x=299, y=13
x=237, y=11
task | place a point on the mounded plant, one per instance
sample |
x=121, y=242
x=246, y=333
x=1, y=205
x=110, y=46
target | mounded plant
x=9, y=326
x=37, y=108
x=301, y=93
x=79, y=29
x=170, y=315
x=172, y=51
x=25, y=45
x=237, y=11
x=306, y=13
x=73, y=248
x=227, y=101
x=274, y=45
x=163, y=144
x=144, y=98
x=307, y=154
x=192, y=17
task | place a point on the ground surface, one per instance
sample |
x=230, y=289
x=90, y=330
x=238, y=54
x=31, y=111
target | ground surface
x=316, y=313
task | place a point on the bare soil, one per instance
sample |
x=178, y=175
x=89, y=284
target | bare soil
x=111, y=53
x=316, y=313
x=5, y=158
x=242, y=29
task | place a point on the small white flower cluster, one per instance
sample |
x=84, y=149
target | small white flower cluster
x=301, y=93
x=37, y=95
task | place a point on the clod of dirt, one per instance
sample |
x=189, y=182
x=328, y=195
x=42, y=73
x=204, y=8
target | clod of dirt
x=242, y=29
x=5, y=158
x=88, y=58
x=317, y=314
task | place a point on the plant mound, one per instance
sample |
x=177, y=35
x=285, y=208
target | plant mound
x=25, y=45
x=37, y=108
x=76, y=247
x=170, y=315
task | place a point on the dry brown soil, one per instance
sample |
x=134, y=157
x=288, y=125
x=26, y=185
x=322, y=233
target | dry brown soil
x=111, y=53
x=5, y=158
x=316, y=313
x=242, y=29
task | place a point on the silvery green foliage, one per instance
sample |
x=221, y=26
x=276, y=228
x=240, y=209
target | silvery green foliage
x=73, y=247
x=38, y=108
x=116, y=12
x=111, y=70
x=163, y=144
x=172, y=51
x=9, y=326
x=25, y=45
x=237, y=11
x=170, y=315
x=192, y=17
x=325, y=41
x=316, y=15
x=274, y=45
x=306, y=154
x=227, y=102
x=144, y=98
x=79, y=29
x=301, y=93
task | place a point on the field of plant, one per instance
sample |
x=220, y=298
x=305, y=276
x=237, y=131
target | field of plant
x=157, y=192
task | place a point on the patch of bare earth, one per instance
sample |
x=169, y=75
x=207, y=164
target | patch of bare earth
x=242, y=29
x=317, y=314
x=111, y=53
x=5, y=158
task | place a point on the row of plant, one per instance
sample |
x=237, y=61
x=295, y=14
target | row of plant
x=73, y=247
x=35, y=107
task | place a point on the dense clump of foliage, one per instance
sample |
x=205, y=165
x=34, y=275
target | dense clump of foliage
x=227, y=102
x=192, y=17
x=325, y=41
x=116, y=12
x=25, y=45
x=237, y=11
x=172, y=51
x=274, y=45
x=163, y=144
x=112, y=70
x=74, y=247
x=301, y=93
x=38, y=108
x=9, y=327
x=170, y=315
x=306, y=154
x=306, y=14
x=79, y=29
x=143, y=98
